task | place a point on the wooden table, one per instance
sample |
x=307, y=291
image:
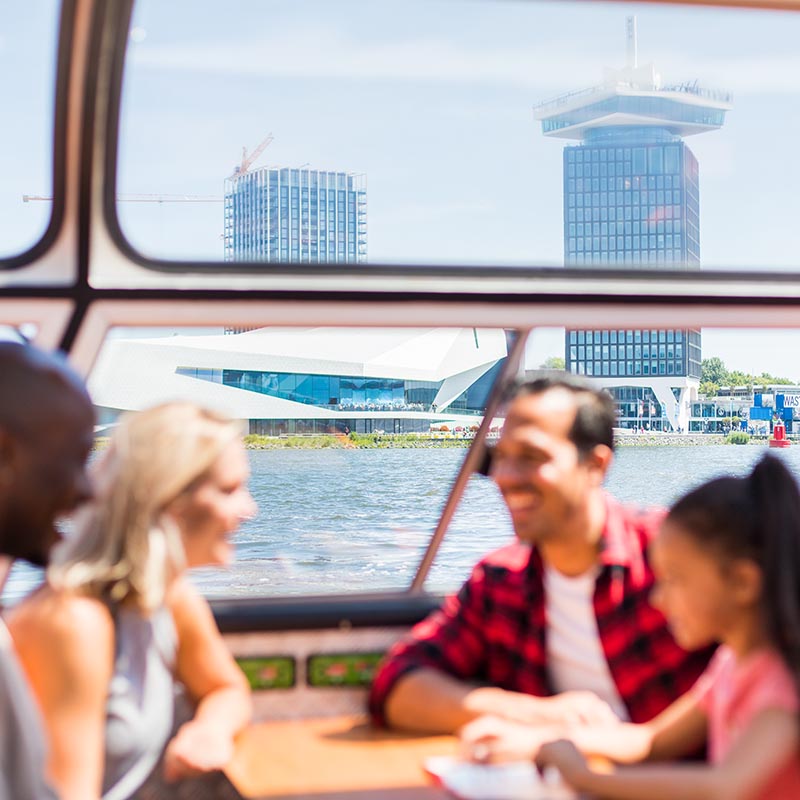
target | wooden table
x=338, y=758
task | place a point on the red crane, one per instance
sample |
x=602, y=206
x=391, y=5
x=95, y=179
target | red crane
x=248, y=160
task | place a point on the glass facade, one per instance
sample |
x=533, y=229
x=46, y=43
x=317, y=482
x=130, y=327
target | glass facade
x=633, y=353
x=631, y=205
x=473, y=399
x=350, y=393
x=338, y=427
x=631, y=198
x=298, y=216
x=638, y=407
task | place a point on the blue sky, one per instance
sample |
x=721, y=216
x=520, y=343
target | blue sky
x=432, y=100
x=27, y=63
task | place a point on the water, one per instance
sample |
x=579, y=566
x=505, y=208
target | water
x=335, y=521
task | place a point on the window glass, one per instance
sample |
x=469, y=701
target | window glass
x=349, y=494
x=408, y=127
x=24, y=333
x=28, y=43
x=673, y=431
x=354, y=437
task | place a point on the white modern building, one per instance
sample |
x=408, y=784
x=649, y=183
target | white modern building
x=308, y=380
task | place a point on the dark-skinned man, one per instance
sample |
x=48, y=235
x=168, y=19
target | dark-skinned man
x=46, y=432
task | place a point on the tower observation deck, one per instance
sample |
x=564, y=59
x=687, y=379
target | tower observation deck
x=633, y=97
x=632, y=200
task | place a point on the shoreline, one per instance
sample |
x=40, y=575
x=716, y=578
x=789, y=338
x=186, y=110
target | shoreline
x=376, y=441
x=353, y=441
x=421, y=441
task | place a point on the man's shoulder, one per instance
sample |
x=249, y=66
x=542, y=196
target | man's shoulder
x=645, y=521
x=513, y=558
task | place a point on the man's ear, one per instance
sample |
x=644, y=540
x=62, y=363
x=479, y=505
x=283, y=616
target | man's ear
x=598, y=460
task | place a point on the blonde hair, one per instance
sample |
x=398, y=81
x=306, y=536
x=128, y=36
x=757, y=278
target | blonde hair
x=125, y=547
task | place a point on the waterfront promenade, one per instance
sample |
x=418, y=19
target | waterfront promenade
x=426, y=441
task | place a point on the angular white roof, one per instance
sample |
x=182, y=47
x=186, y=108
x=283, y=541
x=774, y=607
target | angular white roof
x=131, y=374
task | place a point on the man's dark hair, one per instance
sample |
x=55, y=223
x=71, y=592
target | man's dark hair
x=594, y=416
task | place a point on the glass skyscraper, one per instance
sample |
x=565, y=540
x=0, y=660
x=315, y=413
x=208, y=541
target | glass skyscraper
x=300, y=216
x=632, y=200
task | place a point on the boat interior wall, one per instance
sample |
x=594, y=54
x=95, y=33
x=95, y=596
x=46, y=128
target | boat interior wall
x=339, y=612
x=357, y=651
x=43, y=321
x=278, y=641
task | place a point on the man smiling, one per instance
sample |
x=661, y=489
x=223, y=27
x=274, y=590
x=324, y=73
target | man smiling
x=556, y=627
x=46, y=432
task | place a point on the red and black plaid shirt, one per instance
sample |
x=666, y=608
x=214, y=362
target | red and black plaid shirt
x=493, y=630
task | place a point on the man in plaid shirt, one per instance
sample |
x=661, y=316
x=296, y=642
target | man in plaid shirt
x=556, y=627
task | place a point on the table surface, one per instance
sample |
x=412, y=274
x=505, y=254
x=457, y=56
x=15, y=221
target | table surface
x=337, y=758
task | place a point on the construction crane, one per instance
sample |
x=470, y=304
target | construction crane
x=142, y=198
x=249, y=160
x=240, y=169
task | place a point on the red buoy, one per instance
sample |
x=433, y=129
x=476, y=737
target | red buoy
x=778, y=438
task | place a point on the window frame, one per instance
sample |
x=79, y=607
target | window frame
x=519, y=282
x=63, y=64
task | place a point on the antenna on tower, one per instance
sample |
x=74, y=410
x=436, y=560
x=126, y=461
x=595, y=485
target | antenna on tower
x=632, y=49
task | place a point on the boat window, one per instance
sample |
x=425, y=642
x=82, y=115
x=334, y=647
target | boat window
x=28, y=46
x=481, y=524
x=352, y=464
x=316, y=135
x=354, y=438
x=671, y=435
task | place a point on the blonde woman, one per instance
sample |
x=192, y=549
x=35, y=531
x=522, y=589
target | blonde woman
x=117, y=624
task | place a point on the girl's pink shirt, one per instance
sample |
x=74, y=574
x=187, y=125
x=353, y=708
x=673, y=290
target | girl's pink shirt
x=732, y=693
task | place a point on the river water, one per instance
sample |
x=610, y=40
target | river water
x=358, y=520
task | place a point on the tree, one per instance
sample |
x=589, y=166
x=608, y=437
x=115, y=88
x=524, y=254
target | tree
x=714, y=374
x=714, y=371
x=553, y=362
x=765, y=379
x=738, y=378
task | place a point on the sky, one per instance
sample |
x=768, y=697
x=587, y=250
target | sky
x=433, y=101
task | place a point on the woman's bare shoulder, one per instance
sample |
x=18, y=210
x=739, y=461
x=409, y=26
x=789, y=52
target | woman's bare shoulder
x=186, y=603
x=65, y=644
x=52, y=620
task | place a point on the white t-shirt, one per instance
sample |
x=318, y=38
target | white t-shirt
x=575, y=657
x=22, y=742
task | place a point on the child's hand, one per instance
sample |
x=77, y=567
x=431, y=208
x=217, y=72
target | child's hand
x=566, y=757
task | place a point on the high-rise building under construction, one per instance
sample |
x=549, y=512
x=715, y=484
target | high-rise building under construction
x=295, y=215
x=632, y=201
